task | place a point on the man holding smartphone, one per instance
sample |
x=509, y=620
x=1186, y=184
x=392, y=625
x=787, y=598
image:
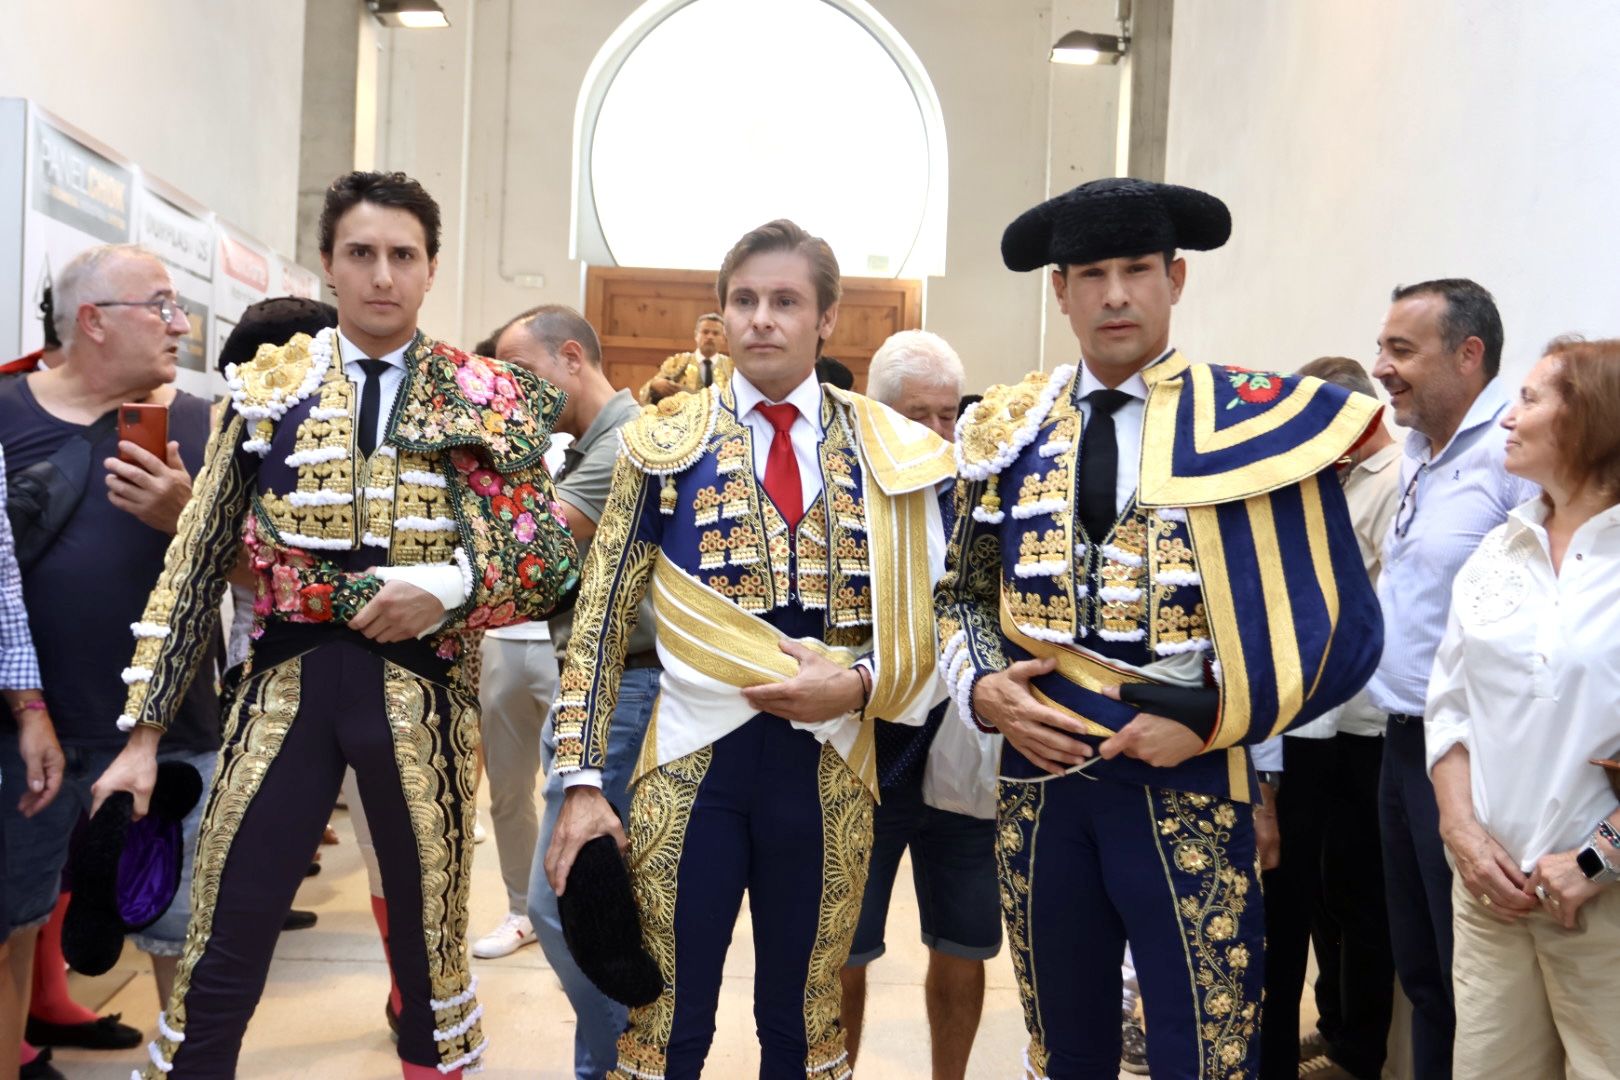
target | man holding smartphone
x=120, y=321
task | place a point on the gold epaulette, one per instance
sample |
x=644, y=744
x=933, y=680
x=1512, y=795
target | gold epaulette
x=277, y=378
x=670, y=436
x=994, y=430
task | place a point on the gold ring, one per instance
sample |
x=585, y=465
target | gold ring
x=1486, y=900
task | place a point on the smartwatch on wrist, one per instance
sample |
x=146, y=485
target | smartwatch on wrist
x=1595, y=865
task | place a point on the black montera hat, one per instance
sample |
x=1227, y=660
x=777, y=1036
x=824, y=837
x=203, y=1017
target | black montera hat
x=602, y=926
x=1115, y=218
x=126, y=872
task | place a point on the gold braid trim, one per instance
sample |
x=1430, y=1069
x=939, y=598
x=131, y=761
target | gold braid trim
x=846, y=851
x=263, y=713
x=438, y=774
x=185, y=600
x=617, y=569
x=1018, y=820
x=660, y=810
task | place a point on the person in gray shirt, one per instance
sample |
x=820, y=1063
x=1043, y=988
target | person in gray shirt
x=556, y=343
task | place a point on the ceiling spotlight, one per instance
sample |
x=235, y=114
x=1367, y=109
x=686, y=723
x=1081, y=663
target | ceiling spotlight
x=409, y=14
x=1085, y=47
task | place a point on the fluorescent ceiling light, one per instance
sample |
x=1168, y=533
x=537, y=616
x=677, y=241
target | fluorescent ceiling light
x=1084, y=47
x=409, y=14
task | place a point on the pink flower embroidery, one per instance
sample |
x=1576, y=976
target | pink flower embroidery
x=476, y=380
x=485, y=482
x=463, y=459
x=284, y=584
x=479, y=617
x=505, y=388
x=503, y=615
x=524, y=527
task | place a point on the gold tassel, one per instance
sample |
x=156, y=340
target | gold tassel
x=666, y=496
x=990, y=500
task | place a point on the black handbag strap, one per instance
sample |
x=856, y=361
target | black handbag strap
x=43, y=496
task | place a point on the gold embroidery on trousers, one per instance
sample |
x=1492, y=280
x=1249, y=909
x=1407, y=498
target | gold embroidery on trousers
x=846, y=851
x=1018, y=808
x=660, y=810
x=1211, y=893
x=263, y=713
x=438, y=773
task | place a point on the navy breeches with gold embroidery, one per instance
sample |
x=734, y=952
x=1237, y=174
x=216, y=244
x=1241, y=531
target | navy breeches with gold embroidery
x=767, y=810
x=291, y=729
x=1088, y=864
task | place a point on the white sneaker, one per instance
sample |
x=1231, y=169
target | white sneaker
x=514, y=932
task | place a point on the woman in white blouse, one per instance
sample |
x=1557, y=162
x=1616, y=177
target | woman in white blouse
x=1525, y=693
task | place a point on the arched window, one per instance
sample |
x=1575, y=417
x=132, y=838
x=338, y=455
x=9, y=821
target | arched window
x=700, y=119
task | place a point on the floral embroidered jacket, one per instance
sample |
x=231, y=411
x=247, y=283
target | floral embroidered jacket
x=1236, y=550
x=457, y=480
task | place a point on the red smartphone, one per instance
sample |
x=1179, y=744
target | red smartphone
x=147, y=426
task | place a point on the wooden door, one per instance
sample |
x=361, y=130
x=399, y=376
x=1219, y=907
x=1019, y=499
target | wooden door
x=644, y=315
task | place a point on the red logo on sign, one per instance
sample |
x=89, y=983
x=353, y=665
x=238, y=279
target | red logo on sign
x=244, y=264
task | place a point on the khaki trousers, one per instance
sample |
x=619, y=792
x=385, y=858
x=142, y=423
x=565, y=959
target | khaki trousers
x=515, y=691
x=1535, y=1000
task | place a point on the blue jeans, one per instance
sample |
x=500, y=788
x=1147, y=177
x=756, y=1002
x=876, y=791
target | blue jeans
x=598, y=1018
x=167, y=936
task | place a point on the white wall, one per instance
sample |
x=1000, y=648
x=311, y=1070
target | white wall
x=1361, y=143
x=203, y=93
x=1003, y=104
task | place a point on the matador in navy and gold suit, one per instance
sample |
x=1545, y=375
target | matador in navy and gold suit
x=454, y=497
x=727, y=799
x=1229, y=576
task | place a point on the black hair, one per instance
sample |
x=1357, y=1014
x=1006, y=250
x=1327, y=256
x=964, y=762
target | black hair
x=393, y=189
x=1470, y=312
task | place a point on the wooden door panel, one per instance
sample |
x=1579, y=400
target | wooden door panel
x=645, y=315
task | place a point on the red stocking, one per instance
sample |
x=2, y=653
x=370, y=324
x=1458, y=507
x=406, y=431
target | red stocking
x=51, y=1001
x=379, y=911
x=427, y=1072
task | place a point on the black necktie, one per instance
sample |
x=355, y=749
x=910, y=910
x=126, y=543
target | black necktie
x=1099, y=464
x=708, y=372
x=370, y=404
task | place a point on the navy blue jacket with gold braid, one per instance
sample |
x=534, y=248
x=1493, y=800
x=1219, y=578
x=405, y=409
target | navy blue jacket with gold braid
x=1235, y=560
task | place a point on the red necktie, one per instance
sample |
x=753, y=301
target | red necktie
x=781, y=466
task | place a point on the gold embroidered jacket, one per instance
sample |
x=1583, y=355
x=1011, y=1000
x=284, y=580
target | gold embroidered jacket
x=688, y=518
x=1237, y=548
x=457, y=481
x=686, y=371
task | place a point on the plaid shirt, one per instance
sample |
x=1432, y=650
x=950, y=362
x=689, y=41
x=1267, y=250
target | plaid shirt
x=19, y=666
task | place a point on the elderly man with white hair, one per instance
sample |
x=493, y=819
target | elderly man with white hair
x=938, y=792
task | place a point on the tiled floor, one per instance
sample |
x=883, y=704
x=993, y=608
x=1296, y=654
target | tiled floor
x=322, y=1012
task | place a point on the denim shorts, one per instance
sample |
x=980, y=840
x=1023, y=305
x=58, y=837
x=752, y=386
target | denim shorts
x=36, y=848
x=953, y=866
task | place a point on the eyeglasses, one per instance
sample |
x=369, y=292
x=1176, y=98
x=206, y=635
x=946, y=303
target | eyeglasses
x=1408, y=507
x=167, y=307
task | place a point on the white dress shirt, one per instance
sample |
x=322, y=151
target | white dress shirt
x=805, y=433
x=1527, y=677
x=443, y=581
x=1460, y=493
x=1127, y=427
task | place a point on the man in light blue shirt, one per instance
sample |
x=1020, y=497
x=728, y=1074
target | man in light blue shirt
x=1438, y=357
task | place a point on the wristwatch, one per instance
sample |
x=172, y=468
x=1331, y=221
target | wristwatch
x=1595, y=865
x=1269, y=777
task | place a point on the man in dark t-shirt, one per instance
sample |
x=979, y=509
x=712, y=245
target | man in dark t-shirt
x=120, y=320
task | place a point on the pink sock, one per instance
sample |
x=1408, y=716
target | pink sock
x=28, y=1054
x=427, y=1072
